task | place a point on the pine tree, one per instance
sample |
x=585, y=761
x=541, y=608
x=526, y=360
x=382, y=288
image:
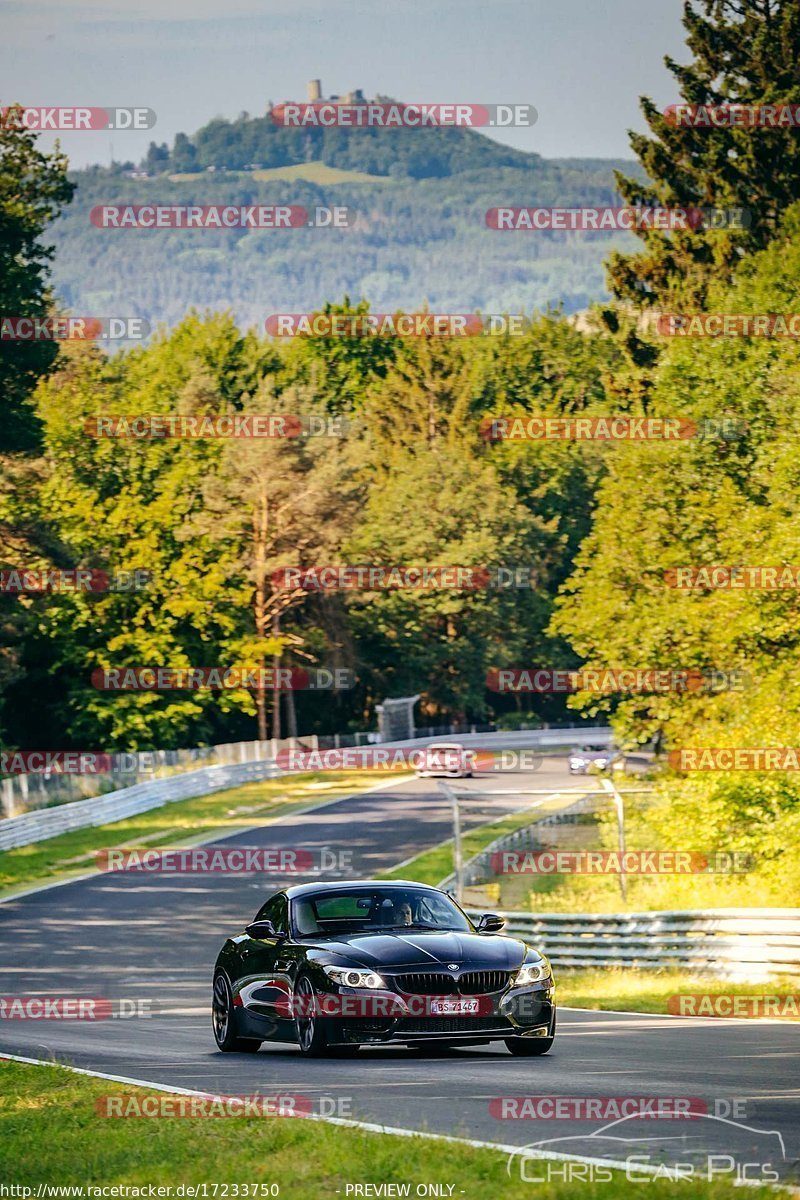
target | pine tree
x=33, y=189
x=745, y=52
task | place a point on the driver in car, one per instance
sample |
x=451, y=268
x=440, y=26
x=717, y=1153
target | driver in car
x=397, y=912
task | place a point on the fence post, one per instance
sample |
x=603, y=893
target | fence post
x=620, y=807
x=458, y=866
x=8, y=797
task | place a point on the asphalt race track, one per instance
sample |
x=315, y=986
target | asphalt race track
x=155, y=938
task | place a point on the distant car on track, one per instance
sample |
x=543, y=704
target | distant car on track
x=584, y=757
x=447, y=759
x=336, y=966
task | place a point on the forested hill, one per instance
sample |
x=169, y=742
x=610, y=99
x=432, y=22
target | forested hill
x=420, y=197
x=414, y=154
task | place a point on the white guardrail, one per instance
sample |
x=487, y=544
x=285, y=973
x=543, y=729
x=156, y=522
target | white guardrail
x=746, y=944
x=44, y=823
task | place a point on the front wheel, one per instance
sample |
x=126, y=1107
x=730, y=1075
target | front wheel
x=309, y=1027
x=223, y=1019
x=532, y=1047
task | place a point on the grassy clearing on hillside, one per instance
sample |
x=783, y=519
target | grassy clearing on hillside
x=312, y=172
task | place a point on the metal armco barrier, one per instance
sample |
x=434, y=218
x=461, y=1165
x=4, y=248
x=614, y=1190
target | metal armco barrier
x=127, y=802
x=23, y=793
x=746, y=944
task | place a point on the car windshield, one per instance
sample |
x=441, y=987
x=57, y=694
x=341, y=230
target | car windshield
x=374, y=910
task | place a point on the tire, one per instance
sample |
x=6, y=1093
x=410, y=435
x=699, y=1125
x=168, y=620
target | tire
x=309, y=1027
x=532, y=1047
x=223, y=1021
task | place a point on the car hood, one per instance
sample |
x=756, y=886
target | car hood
x=417, y=949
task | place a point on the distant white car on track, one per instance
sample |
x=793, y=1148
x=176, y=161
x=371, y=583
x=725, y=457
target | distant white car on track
x=584, y=757
x=447, y=759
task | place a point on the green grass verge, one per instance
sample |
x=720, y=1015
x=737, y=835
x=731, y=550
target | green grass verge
x=649, y=991
x=180, y=823
x=51, y=1133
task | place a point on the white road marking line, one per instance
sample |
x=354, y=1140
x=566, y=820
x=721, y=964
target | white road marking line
x=687, y=1021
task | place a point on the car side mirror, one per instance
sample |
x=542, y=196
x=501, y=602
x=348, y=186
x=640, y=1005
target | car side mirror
x=491, y=923
x=263, y=931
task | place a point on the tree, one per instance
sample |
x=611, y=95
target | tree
x=339, y=369
x=157, y=158
x=730, y=498
x=271, y=503
x=435, y=499
x=33, y=189
x=184, y=154
x=725, y=500
x=745, y=52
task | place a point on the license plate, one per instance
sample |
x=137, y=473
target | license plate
x=453, y=1008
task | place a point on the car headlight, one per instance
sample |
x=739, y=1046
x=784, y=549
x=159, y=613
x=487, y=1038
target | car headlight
x=354, y=977
x=531, y=973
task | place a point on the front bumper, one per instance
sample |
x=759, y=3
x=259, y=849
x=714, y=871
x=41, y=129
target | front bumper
x=357, y=1016
x=520, y=1012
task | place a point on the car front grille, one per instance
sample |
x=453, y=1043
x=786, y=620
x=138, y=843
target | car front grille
x=429, y=983
x=478, y=983
x=437, y=983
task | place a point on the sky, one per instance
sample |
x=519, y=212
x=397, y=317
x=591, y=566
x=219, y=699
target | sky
x=583, y=64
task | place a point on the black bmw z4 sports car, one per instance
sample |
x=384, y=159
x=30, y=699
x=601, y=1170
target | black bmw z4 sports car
x=336, y=966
